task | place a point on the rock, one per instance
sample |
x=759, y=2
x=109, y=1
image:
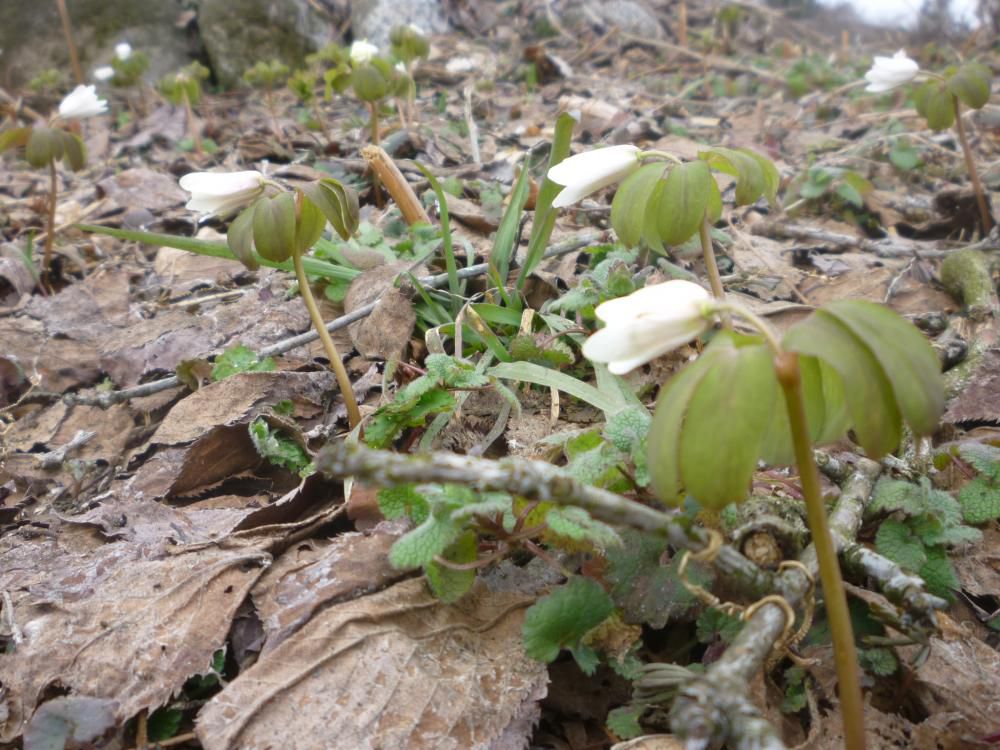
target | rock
x=374, y=19
x=238, y=33
x=631, y=16
x=31, y=38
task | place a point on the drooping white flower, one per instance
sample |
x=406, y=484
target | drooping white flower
x=889, y=72
x=123, y=50
x=648, y=323
x=82, y=102
x=588, y=172
x=104, y=73
x=363, y=51
x=221, y=193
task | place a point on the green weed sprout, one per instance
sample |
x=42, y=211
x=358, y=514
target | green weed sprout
x=183, y=88
x=278, y=224
x=938, y=100
x=268, y=76
x=126, y=69
x=302, y=83
x=46, y=143
x=850, y=365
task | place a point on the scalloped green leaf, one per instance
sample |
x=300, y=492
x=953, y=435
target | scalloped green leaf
x=871, y=402
x=628, y=208
x=895, y=541
x=683, y=202
x=401, y=501
x=419, y=547
x=562, y=618
x=934, y=103
x=906, y=357
x=576, y=524
x=663, y=449
x=449, y=584
x=723, y=428
x=971, y=84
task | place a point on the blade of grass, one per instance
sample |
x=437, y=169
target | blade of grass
x=506, y=237
x=527, y=372
x=449, y=251
x=313, y=266
x=545, y=215
x=492, y=341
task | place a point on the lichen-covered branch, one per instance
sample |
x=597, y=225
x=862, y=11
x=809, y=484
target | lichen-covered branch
x=535, y=480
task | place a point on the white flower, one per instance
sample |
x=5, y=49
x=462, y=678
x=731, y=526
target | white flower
x=401, y=68
x=221, y=192
x=104, y=73
x=416, y=29
x=123, y=50
x=363, y=51
x=648, y=323
x=585, y=173
x=82, y=102
x=889, y=72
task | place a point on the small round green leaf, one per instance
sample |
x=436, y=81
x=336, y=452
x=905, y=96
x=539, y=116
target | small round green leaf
x=934, y=103
x=274, y=227
x=746, y=167
x=14, y=138
x=370, y=82
x=724, y=426
x=628, y=209
x=44, y=146
x=906, y=358
x=871, y=402
x=971, y=84
x=683, y=202
x=309, y=223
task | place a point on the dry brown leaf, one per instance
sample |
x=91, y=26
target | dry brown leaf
x=385, y=333
x=397, y=669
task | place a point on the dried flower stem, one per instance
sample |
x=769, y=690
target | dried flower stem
x=970, y=164
x=346, y=389
x=50, y=232
x=67, y=28
x=398, y=188
x=714, y=279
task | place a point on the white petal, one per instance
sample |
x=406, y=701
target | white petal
x=221, y=192
x=672, y=299
x=590, y=171
x=104, y=73
x=626, y=347
x=363, y=51
x=82, y=102
x=123, y=50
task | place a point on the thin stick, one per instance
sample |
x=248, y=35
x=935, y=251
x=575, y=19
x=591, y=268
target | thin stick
x=353, y=414
x=845, y=653
x=970, y=164
x=74, y=59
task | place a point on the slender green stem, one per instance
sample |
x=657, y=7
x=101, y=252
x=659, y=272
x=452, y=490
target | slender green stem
x=50, y=232
x=970, y=164
x=760, y=324
x=353, y=415
x=844, y=651
x=705, y=232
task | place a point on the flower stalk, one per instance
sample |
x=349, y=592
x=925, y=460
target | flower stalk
x=789, y=376
x=336, y=364
x=970, y=164
x=192, y=126
x=714, y=278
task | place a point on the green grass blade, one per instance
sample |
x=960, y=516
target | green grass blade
x=527, y=372
x=447, y=247
x=504, y=245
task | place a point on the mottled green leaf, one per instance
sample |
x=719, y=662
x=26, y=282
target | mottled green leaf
x=418, y=548
x=562, y=618
x=895, y=541
x=449, y=584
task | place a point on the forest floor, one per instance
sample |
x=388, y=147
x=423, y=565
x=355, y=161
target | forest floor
x=174, y=571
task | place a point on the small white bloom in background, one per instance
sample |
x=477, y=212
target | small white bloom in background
x=123, y=50
x=588, y=172
x=82, y=102
x=401, y=68
x=363, y=51
x=416, y=29
x=889, y=72
x=104, y=73
x=221, y=193
x=648, y=323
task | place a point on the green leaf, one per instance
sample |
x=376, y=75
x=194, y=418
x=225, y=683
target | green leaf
x=934, y=103
x=530, y=373
x=754, y=174
x=714, y=623
x=891, y=495
x=723, y=428
x=74, y=151
x=281, y=451
x=562, y=618
x=14, y=138
x=586, y=658
x=664, y=442
x=906, y=357
x=545, y=216
x=447, y=248
x=624, y=721
x=971, y=84
x=392, y=419
x=309, y=224
x=419, y=547
x=240, y=359
x=632, y=201
x=240, y=238
x=44, y=146
x=504, y=244
x=163, y=724
x=895, y=541
x=403, y=501
x=903, y=155
x=984, y=458
x=448, y=584
x=274, y=226
x=339, y=204
x=939, y=575
x=683, y=201
x=870, y=399
x=878, y=661
x=576, y=524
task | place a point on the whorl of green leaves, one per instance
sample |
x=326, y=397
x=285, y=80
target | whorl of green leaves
x=43, y=146
x=935, y=99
